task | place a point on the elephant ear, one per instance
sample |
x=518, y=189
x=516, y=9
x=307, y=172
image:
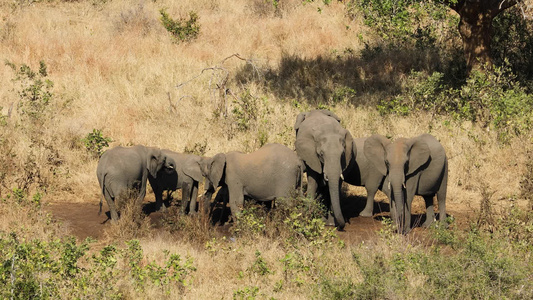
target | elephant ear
x=306, y=150
x=418, y=154
x=349, y=149
x=192, y=169
x=216, y=171
x=330, y=114
x=374, y=150
x=155, y=160
x=299, y=119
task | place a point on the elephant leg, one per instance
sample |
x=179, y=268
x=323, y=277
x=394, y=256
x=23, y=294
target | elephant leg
x=236, y=201
x=312, y=183
x=430, y=211
x=194, y=195
x=393, y=213
x=185, y=196
x=410, y=195
x=441, y=198
x=111, y=204
x=371, y=191
x=159, y=204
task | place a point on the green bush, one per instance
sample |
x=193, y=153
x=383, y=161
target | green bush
x=95, y=142
x=406, y=22
x=199, y=148
x=293, y=220
x=182, y=30
x=35, y=89
x=491, y=98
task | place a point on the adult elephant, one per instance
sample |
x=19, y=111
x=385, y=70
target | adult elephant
x=122, y=170
x=364, y=173
x=271, y=172
x=327, y=150
x=415, y=166
x=186, y=177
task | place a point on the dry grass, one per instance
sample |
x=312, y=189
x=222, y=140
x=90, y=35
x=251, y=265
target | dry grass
x=115, y=68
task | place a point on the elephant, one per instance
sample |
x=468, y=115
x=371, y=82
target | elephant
x=187, y=175
x=415, y=166
x=327, y=151
x=125, y=169
x=364, y=173
x=271, y=172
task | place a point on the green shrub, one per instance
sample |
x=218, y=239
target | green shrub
x=182, y=30
x=293, y=220
x=95, y=142
x=406, y=22
x=35, y=89
x=246, y=111
x=246, y=293
x=199, y=148
x=491, y=98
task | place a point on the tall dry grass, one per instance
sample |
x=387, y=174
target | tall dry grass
x=115, y=68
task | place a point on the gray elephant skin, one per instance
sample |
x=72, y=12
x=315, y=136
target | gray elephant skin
x=364, y=173
x=415, y=166
x=271, y=172
x=326, y=148
x=186, y=177
x=122, y=170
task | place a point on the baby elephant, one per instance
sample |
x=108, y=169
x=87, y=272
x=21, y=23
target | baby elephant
x=271, y=172
x=122, y=170
x=186, y=177
x=415, y=166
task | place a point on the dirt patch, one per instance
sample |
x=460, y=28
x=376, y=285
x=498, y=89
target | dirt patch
x=82, y=220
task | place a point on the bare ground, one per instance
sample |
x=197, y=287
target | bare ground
x=82, y=219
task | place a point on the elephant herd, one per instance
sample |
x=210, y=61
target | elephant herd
x=325, y=150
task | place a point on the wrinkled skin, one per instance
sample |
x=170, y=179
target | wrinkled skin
x=123, y=170
x=271, y=172
x=415, y=166
x=363, y=173
x=186, y=176
x=326, y=148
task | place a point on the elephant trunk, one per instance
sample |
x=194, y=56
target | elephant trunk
x=334, y=192
x=400, y=203
x=397, y=186
x=333, y=175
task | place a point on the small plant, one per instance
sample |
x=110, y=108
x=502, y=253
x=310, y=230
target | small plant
x=294, y=268
x=95, y=142
x=246, y=111
x=199, y=148
x=174, y=271
x=251, y=221
x=259, y=266
x=182, y=30
x=247, y=293
x=35, y=89
x=343, y=94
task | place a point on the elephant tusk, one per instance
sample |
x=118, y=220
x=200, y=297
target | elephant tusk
x=389, y=185
x=342, y=177
x=404, y=185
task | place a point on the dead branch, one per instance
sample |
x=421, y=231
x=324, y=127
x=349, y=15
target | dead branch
x=218, y=82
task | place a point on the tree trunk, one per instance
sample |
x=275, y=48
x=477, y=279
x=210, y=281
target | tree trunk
x=475, y=27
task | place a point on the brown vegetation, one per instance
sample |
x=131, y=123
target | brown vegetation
x=115, y=68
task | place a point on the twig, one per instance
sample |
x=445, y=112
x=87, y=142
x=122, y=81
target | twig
x=219, y=82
